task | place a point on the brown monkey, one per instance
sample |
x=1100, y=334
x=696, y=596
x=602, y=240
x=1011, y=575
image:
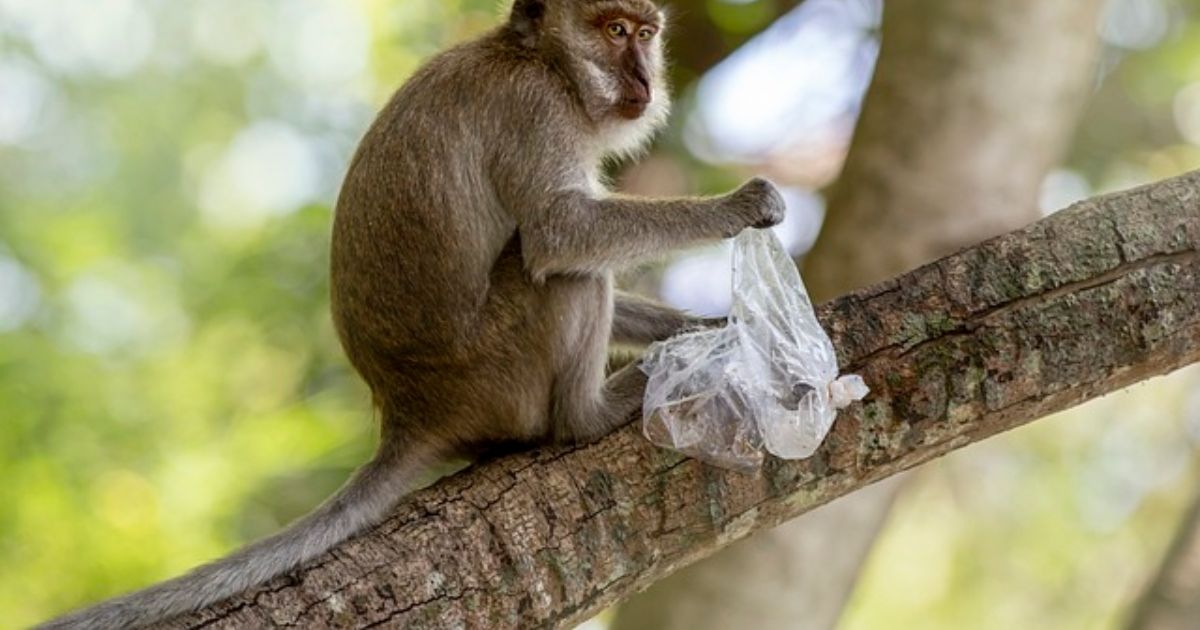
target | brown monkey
x=473, y=247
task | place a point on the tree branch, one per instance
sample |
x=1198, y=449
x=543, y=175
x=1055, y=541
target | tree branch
x=1090, y=300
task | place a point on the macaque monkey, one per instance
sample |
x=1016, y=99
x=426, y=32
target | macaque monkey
x=473, y=249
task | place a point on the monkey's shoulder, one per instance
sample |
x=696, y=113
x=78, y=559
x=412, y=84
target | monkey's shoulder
x=492, y=76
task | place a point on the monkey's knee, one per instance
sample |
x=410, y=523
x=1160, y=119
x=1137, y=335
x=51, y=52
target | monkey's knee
x=619, y=402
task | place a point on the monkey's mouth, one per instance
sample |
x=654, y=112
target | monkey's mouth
x=632, y=108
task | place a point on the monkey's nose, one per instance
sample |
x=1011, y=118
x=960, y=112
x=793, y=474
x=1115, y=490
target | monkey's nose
x=640, y=75
x=640, y=91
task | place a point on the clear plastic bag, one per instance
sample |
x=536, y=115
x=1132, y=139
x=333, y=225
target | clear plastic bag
x=768, y=379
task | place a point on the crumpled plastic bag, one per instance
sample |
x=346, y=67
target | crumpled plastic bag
x=768, y=379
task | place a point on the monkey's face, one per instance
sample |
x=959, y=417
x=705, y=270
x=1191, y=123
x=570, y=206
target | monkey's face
x=620, y=42
x=633, y=53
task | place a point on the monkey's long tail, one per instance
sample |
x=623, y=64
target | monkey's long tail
x=363, y=501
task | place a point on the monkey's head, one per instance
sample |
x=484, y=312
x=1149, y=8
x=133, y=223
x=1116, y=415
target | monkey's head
x=612, y=48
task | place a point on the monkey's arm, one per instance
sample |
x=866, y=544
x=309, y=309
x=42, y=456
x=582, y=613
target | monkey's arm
x=543, y=175
x=574, y=232
x=637, y=320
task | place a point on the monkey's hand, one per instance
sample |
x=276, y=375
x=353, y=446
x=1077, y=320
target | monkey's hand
x=709, y=322
x=697, y=324
x=756, y=204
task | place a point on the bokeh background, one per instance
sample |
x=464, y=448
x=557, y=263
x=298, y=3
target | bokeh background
x=171, y=387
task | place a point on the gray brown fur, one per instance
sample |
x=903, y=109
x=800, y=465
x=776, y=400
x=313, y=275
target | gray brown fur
x=473, y=252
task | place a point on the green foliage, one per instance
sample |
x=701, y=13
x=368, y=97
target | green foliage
x=741, y=17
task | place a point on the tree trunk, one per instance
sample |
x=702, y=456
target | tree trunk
x=971, y=104
x=1090, y=300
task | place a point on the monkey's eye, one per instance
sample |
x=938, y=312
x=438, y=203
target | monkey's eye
x=646, y=34
x=615, y=30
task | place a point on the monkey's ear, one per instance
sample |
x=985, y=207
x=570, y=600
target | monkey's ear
x=526, y=19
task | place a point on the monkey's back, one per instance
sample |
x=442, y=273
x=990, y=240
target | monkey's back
x=428, y=285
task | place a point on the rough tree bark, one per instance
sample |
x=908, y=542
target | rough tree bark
x=1090, y=300
x=972, y=103
x=1172, y=600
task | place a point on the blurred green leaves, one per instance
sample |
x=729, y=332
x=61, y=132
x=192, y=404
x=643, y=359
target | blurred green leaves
x=742, y=18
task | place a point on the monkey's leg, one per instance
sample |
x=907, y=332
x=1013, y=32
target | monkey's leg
x=637, y=320
x=591, y=417
x=619, y=358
